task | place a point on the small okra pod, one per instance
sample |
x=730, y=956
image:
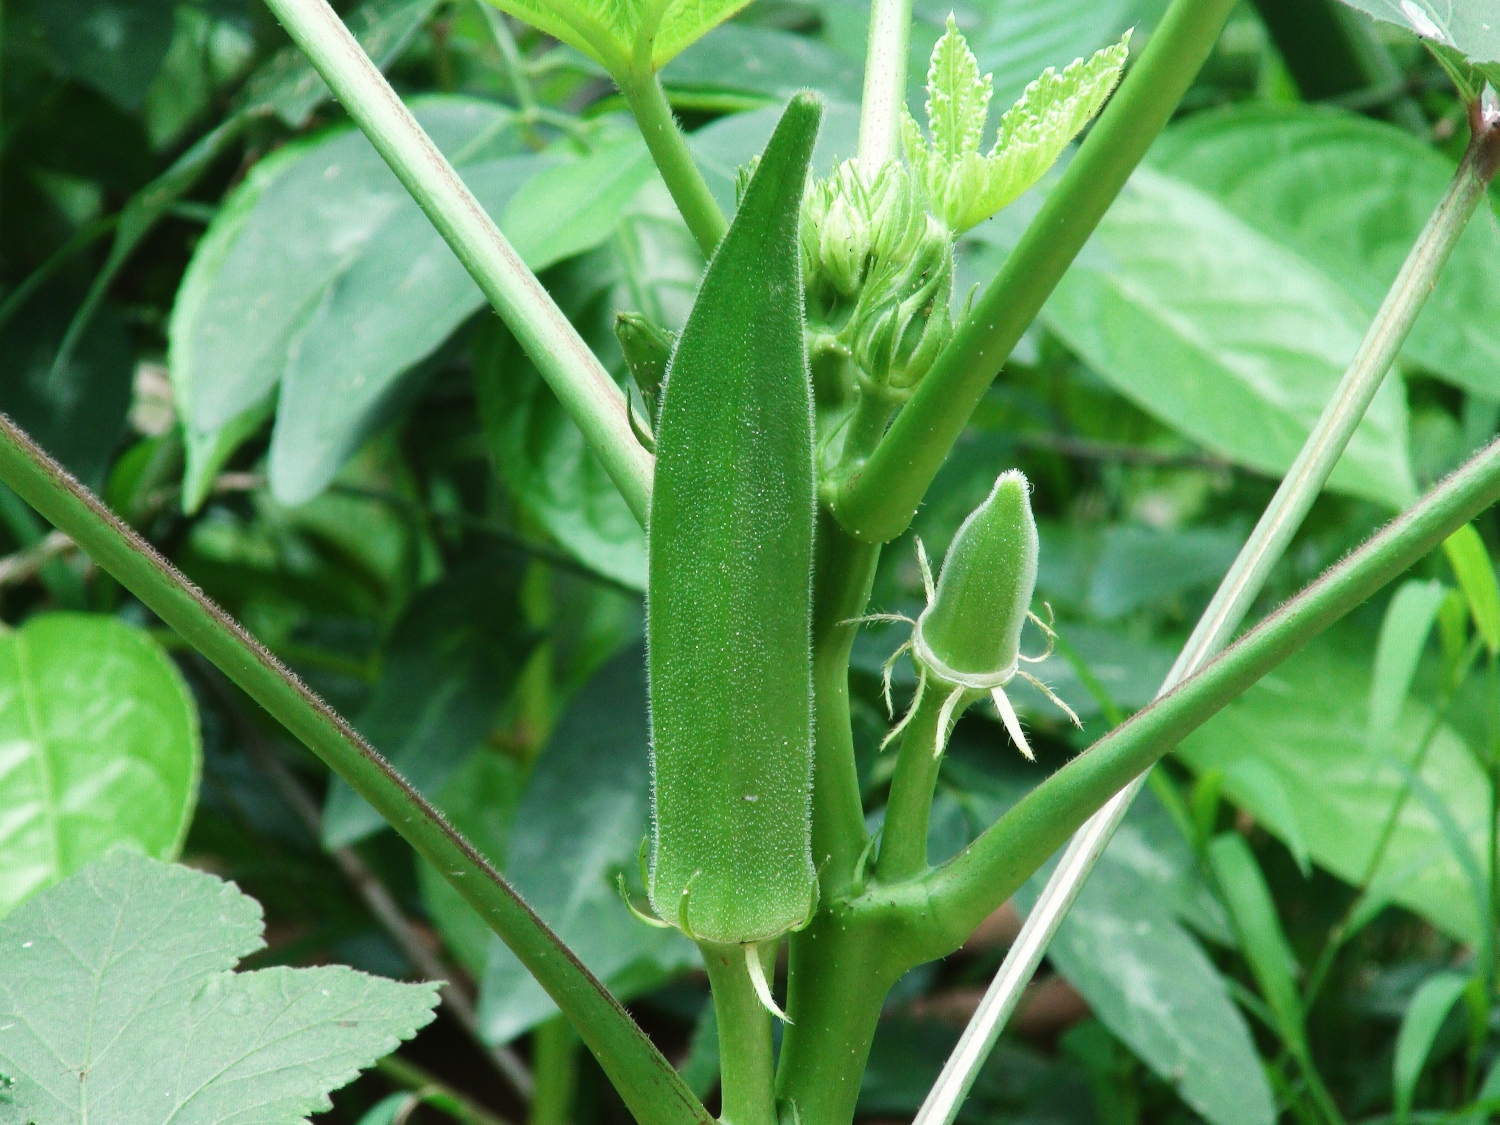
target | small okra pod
x=967, y=642
x=730, y=567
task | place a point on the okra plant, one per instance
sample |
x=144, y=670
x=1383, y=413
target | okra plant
x=767, y=447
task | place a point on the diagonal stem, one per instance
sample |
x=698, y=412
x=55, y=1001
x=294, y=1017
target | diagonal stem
x=647, y=1082
x=674, y=160
x=1301, y=486
x=576, y=376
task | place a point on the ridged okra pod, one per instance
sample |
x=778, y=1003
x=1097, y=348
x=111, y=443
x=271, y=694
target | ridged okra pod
x=730, y=568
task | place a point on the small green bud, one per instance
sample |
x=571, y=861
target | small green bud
x=902, y=318
x=647, y=350
x=973, y=625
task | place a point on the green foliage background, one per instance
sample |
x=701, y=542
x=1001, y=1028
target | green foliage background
x=218, y=307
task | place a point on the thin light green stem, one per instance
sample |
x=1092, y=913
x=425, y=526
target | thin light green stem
x=647, y=1082
x=576, y=376
x=554, y=1068
x=432, y=1090
x=885, y=82
x=746, y=1070
x=903, y=839
x=959, y=895
x=877, y=501
x=669, y=148
x=510, y=55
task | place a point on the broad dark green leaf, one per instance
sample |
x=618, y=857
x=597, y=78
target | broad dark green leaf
x=579, y=824
x=448, y=671
x=100, y=747
x=1141, y=565
x=1424, y=1018
x=119, y=1003
x=76, y=411
x=1307, y=722
x=1222, y=333
x=1350, y=195
x=115, y=46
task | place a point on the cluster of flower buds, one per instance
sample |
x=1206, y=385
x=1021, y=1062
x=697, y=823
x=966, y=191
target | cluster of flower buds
x=878, y=270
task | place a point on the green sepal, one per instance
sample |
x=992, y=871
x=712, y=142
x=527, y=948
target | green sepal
x=964, y=187
x=730, y=562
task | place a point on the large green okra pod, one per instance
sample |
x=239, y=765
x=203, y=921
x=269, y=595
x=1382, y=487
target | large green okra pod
x=731, y=536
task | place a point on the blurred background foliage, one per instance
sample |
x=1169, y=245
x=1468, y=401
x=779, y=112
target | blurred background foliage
x=220, y=309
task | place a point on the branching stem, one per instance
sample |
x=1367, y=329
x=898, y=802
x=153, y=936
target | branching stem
x=903, y=839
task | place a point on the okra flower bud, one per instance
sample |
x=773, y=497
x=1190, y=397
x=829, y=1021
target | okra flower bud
x=967, y=642
x=902, y=319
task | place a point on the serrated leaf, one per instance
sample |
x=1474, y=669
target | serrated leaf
x=119, y=1003
x=98, y=747
x=612, y=31
x=1458, y=31
x=965, y=188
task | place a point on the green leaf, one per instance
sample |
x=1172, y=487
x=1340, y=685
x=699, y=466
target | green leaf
x=101, y=748
x=1403, y=635
x=615, y=34
x=1222, y=334
x=293, y=285
x=115, y=46
x=964, y=188
x=765, y=62
x=1270, y=797
x=1262, y=940
x=287, y=85
x=1424, y=1018
x=1307, y=723
x=1476, y=578
x=730, y=565
x=579, y=824
x=448, y=671
x=118, y=1002
x=1140, y=566
x=1119, y=947
x=1350, y=195
x=1456, y=30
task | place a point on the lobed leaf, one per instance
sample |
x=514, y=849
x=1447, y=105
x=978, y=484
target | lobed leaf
x=118, y=1002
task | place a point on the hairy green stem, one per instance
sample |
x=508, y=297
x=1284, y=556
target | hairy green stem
x=576, y=376
x=885, y=82
x=746, y=1069
x=843, y=572
x=674, y=160
x=647, y=1082
x=942, y=907
x=877, y=501
x=903, y=839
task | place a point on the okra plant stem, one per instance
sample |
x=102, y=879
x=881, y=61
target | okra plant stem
x=1300, y=487
x=648, y=1083
x=877, y=501
x=903, y=839
x=576, y=376
x=669, y=148
x=959, y=895
x=746, y=1075
x=885, y=82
